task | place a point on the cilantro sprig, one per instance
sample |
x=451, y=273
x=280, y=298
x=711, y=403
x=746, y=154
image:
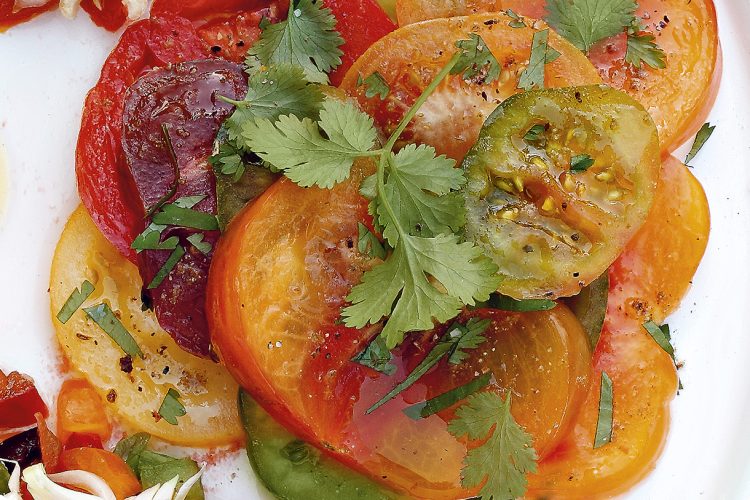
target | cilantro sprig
x=429, y=273
x=506, y=455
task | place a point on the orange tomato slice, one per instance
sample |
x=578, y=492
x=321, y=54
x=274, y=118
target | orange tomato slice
x=80, y=410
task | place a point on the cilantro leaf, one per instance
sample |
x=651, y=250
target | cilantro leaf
x=700, y=139
x=150, y=239
x=76, y=299
x=282, y=89
x=171, y=407
x=604, y=422
x=447, y=399
x=307, y=39
x=299, y=149
x=454, y=342
x=155, y=468
x=375, y=84
x=503, y=461
x=476, y=60
x=585, y=22
x=376, y=356
x=172, y=214
x=103, y=316
x=197, y=240
x=418, y=186
x=581, y=163
x=541, y=54
x=369, y=244
x=505, y=303
x=400, y=288
x=130, y=449
x=228, y=161
x=170, y=264
x=642, y=49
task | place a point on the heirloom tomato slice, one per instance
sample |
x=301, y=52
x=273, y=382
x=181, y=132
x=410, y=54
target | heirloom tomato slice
x=410, y=58
x=134, y=387
x=558, y=183
x=678, y=96
x=278, y=281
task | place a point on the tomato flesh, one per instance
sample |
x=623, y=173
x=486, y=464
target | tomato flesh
x=106, y=465
x=80, y=412
x=550, y=228
x=277, y=285
x=410, y=58
x=19, y=401
x=10, y=17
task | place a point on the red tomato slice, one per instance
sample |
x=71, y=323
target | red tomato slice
x=19, y=401
x=110, y=14
x=9, y=16
x=103, y=183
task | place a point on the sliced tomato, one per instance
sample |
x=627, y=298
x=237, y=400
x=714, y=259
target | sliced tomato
x=50, y=445
x=108, y=466
x=202, y=10
x=103, y=183
x=278, y=281
x=558, y=183
x=678, y=97
x=80, y=412
x=410, y=58
x=19, y=401
x=108, y=14
x=10, y=16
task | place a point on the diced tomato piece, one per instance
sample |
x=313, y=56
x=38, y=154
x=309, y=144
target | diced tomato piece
x=106, y=465
x=9, y=16
x=50, y=445
x=19, y=401
x=80, y=412
x=110, y=14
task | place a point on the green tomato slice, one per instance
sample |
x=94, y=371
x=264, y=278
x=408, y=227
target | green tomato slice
x=558, y=183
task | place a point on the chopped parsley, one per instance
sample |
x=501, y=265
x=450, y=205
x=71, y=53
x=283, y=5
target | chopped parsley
x=541, y=54
x=581, y=163
x=505, y=303
x=700, y=140
x=452, y=345
x=376, y=356
x=174, y=214
x=501, y=463
x=170, y=264
x=585, y=22
x=448, y=399
x=642, y=49
x=516, y=20
x=307, y=39
x=197, y=240
x=476, y=60
x=171, y=407
x=76, y=300
x=604, y=423
x=375, y=85
x=150, y=239
x=103, y=316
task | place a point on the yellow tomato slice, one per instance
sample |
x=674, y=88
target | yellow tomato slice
x=206, y=389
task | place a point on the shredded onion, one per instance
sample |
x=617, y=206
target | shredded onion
x=69, y=8
x=14, y=483
x=85, y=481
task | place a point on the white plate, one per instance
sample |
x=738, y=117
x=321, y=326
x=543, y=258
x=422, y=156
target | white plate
x=47, y=66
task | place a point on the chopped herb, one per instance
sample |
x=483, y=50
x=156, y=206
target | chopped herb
x=700, y=139
x=375, y=84
x=642, y=49
x=173, y=214
x=661, y=336
x=541, y=54
x=476, y=60
x=155, y=468
x=581, y=163
x=171, y=407
x=369, y=244
x=307, y=39
x=4, y=479
x=590, y=307
x=458, y=338
x=448, y=399
x=585, y=22
x=76, y=299
x=228, y=161
x=376, y=356
x=604, y=423
x=501, y=463
x=505, y=303
x=170, y=264
x=516, y=20
x=535, y=136
x=150, y=239
x=131, y=448
x=196, y=239
x=103, y=316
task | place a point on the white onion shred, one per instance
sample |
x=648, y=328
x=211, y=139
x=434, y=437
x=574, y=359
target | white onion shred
x=44, y=487
x=14, y=483
x=136, y=8
x=85, y=481
x=69, y=8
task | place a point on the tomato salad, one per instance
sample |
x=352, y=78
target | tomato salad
x=424, y=259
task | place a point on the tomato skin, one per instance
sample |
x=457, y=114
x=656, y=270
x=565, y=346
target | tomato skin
x=361, y=24
x=50, y=445
x=111, y=16
x=108, y=466
x=76, y=440
x=9, y=17
x=80, y=412
x=19, y=401
x=103, y=183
